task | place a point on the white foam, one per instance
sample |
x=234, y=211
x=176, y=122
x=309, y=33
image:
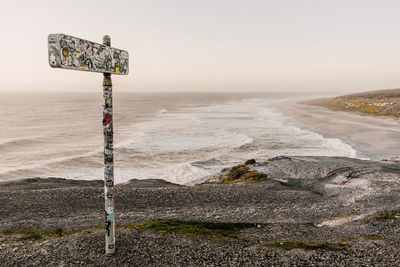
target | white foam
x=188, y=142
x=341, y=220
x=132, y=139
x=220, y=132
x=186, y=174
x=162, y=111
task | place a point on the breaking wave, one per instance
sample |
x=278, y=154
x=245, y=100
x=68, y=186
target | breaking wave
x=181, y=145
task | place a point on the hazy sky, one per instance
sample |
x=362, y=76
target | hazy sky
x=219, y=45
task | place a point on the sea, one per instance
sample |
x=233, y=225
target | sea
x=184, y=138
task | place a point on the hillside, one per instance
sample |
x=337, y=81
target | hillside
x=376, y=103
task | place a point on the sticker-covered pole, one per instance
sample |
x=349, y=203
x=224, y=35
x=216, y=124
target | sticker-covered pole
x=108, y=159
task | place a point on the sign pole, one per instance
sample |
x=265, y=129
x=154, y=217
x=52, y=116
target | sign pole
x=72, y=53
x=108, y=159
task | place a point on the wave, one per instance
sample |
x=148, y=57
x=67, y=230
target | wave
x=187, y=142
x=340, y=147
x=19, y=142
x=186, y=145
x=162, y=111
x=186, y=174
x=43, y=164
x=131, y=140
x=316, y=144
x=82, y=159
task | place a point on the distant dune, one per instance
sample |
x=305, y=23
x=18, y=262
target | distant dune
x=377, y=103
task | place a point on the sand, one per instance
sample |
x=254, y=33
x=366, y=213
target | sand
x=372, y=137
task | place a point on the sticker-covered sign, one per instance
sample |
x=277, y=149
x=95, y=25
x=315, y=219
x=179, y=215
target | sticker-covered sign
x=77, y=54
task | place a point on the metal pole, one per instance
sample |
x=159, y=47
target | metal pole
x=108, y=159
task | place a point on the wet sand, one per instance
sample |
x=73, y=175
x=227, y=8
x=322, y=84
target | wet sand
x=372, y=137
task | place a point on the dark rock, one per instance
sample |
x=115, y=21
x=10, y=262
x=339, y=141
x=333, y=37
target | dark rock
x=149, y=183
x=250, y=161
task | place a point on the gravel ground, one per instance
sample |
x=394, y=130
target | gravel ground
x=352, y=205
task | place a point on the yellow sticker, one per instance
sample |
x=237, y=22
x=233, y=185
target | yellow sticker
x=117, y=70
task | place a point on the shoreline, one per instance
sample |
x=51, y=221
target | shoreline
x=373, y=137
x=303, y=210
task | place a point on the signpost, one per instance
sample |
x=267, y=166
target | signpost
x=69, y=52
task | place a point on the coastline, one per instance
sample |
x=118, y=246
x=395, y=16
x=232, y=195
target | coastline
x=372, y=137
x=304, y=210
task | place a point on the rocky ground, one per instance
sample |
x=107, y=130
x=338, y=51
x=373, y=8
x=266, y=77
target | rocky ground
x=287, y=211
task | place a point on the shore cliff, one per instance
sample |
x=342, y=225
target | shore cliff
x=329, y=211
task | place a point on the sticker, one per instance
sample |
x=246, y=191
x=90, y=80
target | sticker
x=84, y=55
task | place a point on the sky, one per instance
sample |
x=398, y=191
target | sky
x=218, y=45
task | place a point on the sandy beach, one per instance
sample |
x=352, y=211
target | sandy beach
x=372, y=137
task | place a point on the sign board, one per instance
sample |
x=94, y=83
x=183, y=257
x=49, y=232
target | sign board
x=73, y=53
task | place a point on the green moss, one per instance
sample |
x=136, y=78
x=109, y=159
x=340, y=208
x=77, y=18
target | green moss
x=367, y=104
x=58, y=232
x=384, y=216
x=29, y=234
x=6, y=232
x=191, y=229
x=351, y=239
x=307, y=246
x=373, y=237
x=254, y=176
x=33, y=234
x=238, y=171
x=127, y=226
x=241, y=173
x=98, y=227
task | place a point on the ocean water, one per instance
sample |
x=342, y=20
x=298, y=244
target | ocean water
x=180, y=137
